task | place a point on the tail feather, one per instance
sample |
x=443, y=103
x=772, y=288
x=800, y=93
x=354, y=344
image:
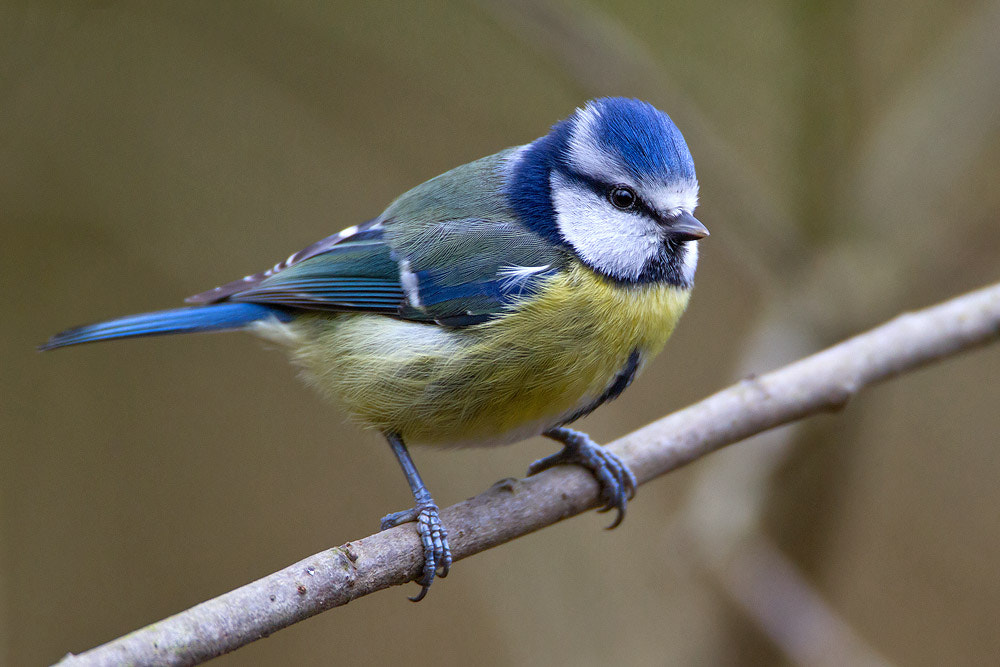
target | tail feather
x=216, y=317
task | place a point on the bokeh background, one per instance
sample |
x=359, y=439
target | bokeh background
x=849, y=157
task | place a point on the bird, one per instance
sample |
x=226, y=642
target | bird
x=503, y=299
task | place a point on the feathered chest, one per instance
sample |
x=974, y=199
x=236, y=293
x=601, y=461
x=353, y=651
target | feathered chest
x=553, y=354
x=577, y=310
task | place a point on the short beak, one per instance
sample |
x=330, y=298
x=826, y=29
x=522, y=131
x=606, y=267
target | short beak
x=685, y=227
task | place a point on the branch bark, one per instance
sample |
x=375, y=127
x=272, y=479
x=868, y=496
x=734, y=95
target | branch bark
x=512, y=508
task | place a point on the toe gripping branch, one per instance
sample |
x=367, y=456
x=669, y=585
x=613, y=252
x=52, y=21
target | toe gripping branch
x=433, y=536
x=617, y=482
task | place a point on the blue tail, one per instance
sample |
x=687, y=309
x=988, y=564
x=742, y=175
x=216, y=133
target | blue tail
x=216, y=317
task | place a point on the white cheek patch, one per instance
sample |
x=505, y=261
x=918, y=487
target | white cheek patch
x=614, y=242
x=689, y=261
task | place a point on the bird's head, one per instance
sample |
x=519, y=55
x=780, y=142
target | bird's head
x=615, y=183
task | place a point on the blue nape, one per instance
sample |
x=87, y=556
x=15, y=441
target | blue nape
x=217, y=317
x=529, y=191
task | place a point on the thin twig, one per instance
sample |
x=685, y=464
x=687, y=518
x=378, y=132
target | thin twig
x=512, y=508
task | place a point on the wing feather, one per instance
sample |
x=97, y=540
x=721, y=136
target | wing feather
x=449, y=252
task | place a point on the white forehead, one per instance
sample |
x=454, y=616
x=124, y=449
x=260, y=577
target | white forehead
x=586, y=155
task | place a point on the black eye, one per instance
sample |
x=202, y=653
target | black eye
x=622, y=197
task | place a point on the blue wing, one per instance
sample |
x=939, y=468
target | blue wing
x=350, y=248
x=450, y=251
x=357, y=273
x=470, y=270
x=465, y=273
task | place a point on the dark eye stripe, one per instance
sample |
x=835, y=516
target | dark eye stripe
x=601, y=189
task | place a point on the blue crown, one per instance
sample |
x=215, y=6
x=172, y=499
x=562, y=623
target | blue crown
x=645, y=140
x=637, y=137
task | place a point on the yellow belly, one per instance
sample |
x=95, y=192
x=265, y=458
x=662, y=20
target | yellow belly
x=500, y=381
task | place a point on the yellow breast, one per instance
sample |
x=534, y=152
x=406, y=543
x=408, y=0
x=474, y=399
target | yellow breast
x=500, y=381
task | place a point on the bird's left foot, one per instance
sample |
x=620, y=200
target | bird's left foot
x=617, y=482
x=433, y=536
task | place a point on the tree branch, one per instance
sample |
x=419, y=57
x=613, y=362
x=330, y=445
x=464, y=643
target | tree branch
x=512, y=508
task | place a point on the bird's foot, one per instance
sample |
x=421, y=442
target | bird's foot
x=617, y=482
x=437, y=553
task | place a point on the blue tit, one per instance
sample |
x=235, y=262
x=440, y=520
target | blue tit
x=503, y=299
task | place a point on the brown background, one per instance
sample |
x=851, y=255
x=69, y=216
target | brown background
x=849, y=159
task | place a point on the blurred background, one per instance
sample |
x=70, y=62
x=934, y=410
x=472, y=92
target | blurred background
x=849, y=156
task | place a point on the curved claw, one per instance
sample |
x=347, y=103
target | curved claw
x=433, y=537
x=399, y=518
x=616, y=481
x=548, y=462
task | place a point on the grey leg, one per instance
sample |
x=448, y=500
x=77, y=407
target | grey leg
x=615, y=479
x=437, y=554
